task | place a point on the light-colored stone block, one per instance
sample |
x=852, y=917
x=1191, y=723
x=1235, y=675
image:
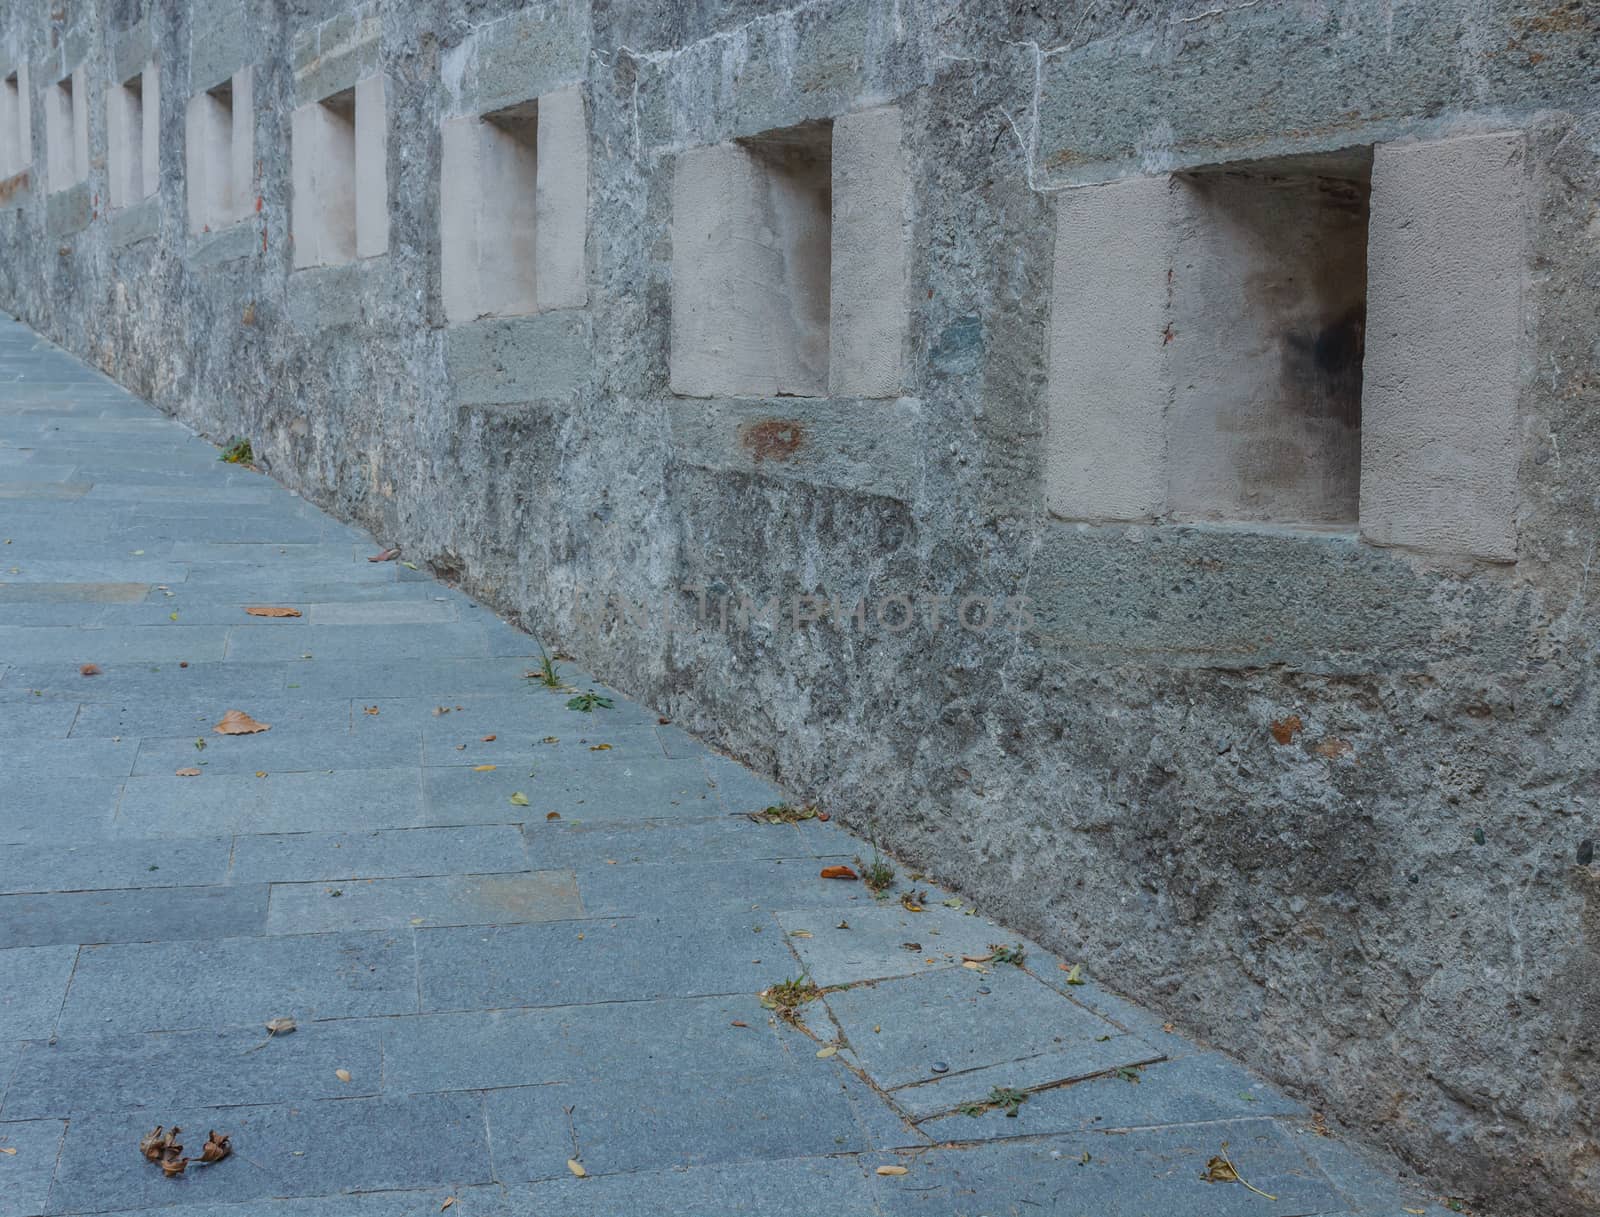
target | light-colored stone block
x=1105, y=438
x=1448, y=262
x=242, y=152
x=150, y=134
x=372, y=168
x=488, y=216
x=750, y=269
x=67, y=132
x=16, y=125
x=125, y=135
x=323, y=160
x=562, y=200
x=208, y=131
x=869, y=310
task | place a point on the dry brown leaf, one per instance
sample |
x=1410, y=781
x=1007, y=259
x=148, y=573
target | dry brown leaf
x=448, y=1201
x=488, y=739
x=8, y=1149
x=576, y=1168
x=237, y=722
x=552, y=815
x=190, y=772
x=387, y=555
x=600, y=748
x=342, y=1074
x=839, y=872
x=893, y=1170
x=1220, y=1170
x=154, y=1144
x=271, y=610
x=216, y=1147
x=173, y=1164
x=482, y=768
x=89, y=669
x=370, y=710
x=979, y=958
x=737, y=1023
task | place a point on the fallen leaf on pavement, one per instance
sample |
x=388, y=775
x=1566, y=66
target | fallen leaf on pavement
x=448, y=1201
x=552, y=815
x=520, y=799
x=89, y=669
x=1220, y=1170
x=8, y=1149
x=387, y=555
x=977, y=958
x=342, y=1074
x=370, y=709
x=190, y=772
x=737, y=1023
x=908, y=901
x=155, y=1143
x=576, y=1168
x=1075, y=974
x=488, y=739
x=173, y=1164
x=893, y=1170
x=237, y=722
x=839, y=872
x=825, y=1053
x=271, y=610
x=482, y=768
x=280, y=1026
x=216, y=1147
x=600, y=748
x=800, y=934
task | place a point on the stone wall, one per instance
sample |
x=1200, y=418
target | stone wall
x=1293, y=736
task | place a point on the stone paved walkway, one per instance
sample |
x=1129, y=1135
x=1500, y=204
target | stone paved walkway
x=485, y=993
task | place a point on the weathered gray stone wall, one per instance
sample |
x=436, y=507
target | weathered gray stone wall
x=1239, y=771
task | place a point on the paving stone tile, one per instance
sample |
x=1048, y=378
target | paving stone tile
x=629, y=790
x=873, y=947
x=1138, y=1174
x=105, y=645
x=286, y=748
x=450, y=740
x=393, y=643
x=652, y=1119
x=186, y=716
x=443, y=680
x=44, y=807
x=720, y=838
x=35, y=983
x=97, y=864
x=341, y=800
x=137, y=915
x=319, y=1147
x=1200, y=1087
x=265, y=556
x=1368, y=1183
x=55, y=612
x=87, y=758
x=98, y=570
x=439, y=900
x=74, y=592
x=738, y=789
x=1000, y=1028
x=408, y=612
x=36, y=719
x=716, y=887
x=223, y=681
x=221, y=982
x=239, y=1065
x=598, y=960
x=481, y=1049
x=25, y=1175
x=476, y=849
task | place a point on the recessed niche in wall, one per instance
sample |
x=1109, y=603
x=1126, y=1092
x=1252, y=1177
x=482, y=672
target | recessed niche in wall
x=66, y=132
x=220, y=153
x=133, y=162
x=513, y=209
x=16, y=137
x=788, y=262
x=1206, y=344
x=340, y=209
x=1267, y=320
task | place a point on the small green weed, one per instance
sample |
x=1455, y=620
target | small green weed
x=547, y=675
x=1000, y=1097
x=1013, y=954
x=586, y=702
x=787, y=996
x=783, y=813
x=238, y=453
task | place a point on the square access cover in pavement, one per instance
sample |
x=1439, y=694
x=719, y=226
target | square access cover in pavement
x=944, y=1039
